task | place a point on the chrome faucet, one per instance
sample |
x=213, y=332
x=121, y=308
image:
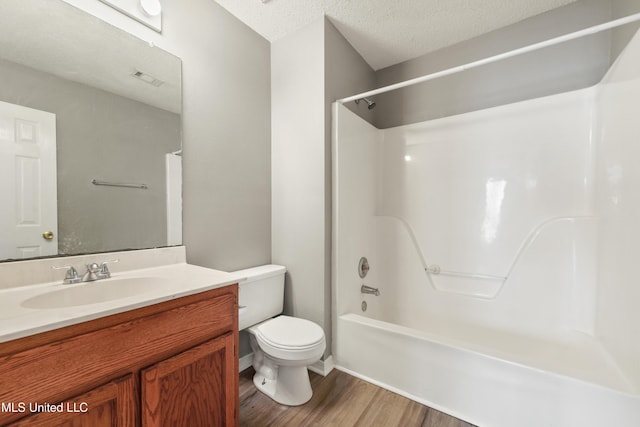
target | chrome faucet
x=91, y=274
x=94, y=272
x=369, y=290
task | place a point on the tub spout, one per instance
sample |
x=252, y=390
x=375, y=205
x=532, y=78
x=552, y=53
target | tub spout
x=369, y=290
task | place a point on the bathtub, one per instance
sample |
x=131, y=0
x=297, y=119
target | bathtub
x=504, y=246
x=503, y=386
x=520, y=352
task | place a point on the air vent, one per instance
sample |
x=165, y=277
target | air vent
x=147, y=78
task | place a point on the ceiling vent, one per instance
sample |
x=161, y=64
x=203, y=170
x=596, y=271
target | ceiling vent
x=147, y=78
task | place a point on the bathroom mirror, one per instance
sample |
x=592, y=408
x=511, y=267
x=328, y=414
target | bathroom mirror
x=90, y=135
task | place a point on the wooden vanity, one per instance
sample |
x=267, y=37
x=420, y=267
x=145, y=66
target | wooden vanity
x=173, y=363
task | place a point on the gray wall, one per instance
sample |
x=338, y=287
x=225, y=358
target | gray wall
x=298, y=169
x=561, y=68
x=622, y=35
x=227, y=136
x=310, y=69
x=108, y=137
x=345, y=73
x=226, y=77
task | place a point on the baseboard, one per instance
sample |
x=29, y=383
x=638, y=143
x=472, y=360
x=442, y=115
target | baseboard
x=321, y=367
x=245, y=362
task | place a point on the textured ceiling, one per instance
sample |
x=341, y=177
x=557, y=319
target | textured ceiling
x=56, y=38
x=386, y=32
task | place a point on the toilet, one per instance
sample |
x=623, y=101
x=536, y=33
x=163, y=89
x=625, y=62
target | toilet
x=283, y=346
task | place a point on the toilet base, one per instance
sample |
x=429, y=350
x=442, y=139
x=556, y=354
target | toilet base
x=284, y=376
x=291, y=385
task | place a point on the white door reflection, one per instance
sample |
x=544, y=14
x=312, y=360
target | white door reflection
x=29, y=214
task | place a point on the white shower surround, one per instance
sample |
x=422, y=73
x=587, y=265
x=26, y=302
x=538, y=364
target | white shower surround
x=539, y=192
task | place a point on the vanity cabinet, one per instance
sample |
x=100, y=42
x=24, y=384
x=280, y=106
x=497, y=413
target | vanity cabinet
x=169, y=364
x=110, y=405
x=190, y=389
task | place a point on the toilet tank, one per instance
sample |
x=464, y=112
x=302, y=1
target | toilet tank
x=261, y=296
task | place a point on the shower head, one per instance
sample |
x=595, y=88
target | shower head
x=370, y=104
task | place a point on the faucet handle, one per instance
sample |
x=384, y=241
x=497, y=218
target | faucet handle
x=104, y=272
x=71, y=276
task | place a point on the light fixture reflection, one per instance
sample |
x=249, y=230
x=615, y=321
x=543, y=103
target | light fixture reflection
x=493, y=206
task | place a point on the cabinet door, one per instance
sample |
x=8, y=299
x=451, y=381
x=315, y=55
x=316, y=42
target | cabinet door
x=110, y=405
x=195, y=388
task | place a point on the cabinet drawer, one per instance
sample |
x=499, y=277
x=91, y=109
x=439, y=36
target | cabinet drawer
x=57, y=370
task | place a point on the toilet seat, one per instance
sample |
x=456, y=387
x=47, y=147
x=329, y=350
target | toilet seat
x=290, y=338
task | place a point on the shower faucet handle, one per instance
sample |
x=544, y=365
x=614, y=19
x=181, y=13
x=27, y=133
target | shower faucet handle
x=363, y=267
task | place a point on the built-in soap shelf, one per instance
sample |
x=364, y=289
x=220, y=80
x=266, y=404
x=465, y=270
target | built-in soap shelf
x=476, y=285
x=574, y=235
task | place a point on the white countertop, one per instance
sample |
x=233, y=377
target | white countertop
x=18, y=319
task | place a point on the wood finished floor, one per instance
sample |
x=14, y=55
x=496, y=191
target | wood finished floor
x=338, y=400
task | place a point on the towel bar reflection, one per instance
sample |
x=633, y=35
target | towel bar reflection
x=119, y=184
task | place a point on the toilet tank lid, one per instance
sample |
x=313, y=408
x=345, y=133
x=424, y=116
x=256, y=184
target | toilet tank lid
x=261, y=272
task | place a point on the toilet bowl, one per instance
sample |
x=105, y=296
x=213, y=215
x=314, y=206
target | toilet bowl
x=283, y=346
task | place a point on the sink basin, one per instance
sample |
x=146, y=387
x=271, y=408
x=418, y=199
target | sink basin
x=95, y=292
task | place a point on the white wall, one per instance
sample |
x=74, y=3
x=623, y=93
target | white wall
x=501, y=192
x=346, y=72
x=355, y=190
x=619, y=210
x=226, y=128
x=483, y=193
